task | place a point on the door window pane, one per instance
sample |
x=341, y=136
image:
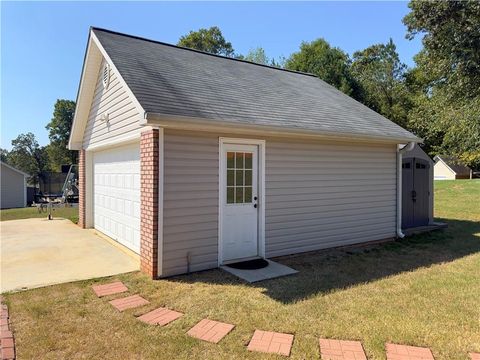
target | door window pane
x=239, y=160
x=238, y=194
x=248, y=160
x=239, y=177
x=230, y=177
x=248, y=177
x=248, y=194
x=230, y=195
x=230, y=160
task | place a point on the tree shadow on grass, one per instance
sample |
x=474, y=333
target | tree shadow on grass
x=325, y=271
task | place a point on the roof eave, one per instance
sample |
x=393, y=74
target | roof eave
x=204, y=124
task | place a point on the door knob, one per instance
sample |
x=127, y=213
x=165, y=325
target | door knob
x=255, y=206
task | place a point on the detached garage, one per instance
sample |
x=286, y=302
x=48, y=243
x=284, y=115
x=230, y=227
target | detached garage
x=194, y=160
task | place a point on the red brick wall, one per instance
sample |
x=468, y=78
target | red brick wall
x=81, y=189
x=149, y=176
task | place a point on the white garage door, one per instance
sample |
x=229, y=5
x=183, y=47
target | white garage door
x=116, y=190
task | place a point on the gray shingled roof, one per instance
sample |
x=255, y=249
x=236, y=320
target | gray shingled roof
x=170, y=80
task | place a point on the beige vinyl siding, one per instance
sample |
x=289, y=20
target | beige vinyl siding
x=12, y=188
x=325, y=194
x=122, y=114
x=318, y=194
x=190, y=203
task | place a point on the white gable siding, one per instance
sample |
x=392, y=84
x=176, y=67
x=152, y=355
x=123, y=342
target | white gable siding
x=318, y=195
x=442, y=171
x=122, y=114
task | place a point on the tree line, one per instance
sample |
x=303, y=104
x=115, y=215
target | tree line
x=27, y=154
x=438, y=99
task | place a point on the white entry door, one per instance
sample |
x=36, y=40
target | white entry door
x=116, y=190
x=239, y=202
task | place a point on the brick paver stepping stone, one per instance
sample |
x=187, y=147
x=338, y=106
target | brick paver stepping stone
x=474, y=356
x=271, y=342
x=109, y=289
x=404, y=352
x=4, y=324
x=331, y=349
x=129, y=302
x=160, y=316
x=7, y=345
x=210, y=330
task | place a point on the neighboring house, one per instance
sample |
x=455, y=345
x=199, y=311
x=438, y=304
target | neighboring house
x=449, y=168
x=194, y=160
x=13, y=183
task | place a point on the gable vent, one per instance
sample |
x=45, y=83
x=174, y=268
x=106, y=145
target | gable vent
x=106, y=75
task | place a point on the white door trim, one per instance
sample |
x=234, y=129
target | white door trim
x=261, y=190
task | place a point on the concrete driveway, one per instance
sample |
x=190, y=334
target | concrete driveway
x=40, y=252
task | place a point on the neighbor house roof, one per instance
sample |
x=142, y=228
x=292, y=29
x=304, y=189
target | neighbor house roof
x=171, y=82
x=453, y=163
x=14, y=169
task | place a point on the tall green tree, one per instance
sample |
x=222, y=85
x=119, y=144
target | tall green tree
x=381, y=74
x=209, y=40
x=59, y=133
x=258, y=56
x=445, y=83
x=450, y=32
x=4, y=155
x=27, y=155
x=329, y=63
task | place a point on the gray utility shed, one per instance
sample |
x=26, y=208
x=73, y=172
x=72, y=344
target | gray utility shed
x=194, y=160
x=13, y=183
x=417, y=189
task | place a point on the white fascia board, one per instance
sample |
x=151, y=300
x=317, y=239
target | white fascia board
x=75, y=144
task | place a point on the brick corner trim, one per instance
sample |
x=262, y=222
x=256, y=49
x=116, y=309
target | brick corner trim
x=149, y=187
x=7, y=342
x=81, y=189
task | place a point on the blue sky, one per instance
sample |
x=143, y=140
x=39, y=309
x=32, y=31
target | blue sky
x=43, y=44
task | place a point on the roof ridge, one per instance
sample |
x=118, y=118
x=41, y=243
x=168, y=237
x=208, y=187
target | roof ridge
x=202, y=52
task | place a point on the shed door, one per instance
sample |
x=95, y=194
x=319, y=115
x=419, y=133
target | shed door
x=415, y=193
x=239, y=197
x=116, y=190
x=422, y=192
x=407, y=194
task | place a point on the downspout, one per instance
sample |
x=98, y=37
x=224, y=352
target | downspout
x=400, y=152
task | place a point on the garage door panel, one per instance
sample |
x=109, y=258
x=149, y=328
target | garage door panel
x=117, y=194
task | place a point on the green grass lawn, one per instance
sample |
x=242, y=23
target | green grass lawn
x=70, y=213
x=422, y=291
